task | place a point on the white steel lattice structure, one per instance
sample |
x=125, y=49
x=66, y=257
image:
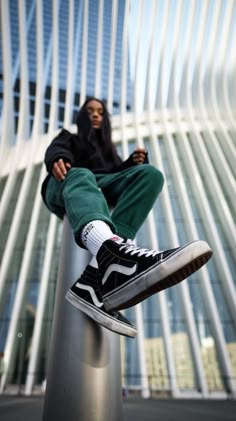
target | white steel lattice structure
x=167, y=71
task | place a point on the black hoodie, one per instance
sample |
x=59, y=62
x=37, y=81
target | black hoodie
x=71, y=149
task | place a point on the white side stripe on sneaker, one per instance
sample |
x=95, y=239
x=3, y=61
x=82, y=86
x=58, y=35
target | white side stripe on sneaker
x=118, y=268
x=97, y=303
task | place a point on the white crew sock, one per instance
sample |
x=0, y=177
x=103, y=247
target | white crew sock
x=93, y=262
x=95, y=233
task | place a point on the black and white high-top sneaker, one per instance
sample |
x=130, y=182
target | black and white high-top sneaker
x=128, y=274
x=85, y=295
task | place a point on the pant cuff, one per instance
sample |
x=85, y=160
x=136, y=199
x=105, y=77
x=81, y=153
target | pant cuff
x=89, y=218
x=124, y=230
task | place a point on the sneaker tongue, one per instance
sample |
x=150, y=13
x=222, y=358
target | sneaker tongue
x=117, y=239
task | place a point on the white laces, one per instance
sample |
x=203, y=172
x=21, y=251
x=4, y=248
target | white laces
x=132, y=250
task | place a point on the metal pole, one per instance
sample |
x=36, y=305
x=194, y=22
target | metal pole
x=84, y=373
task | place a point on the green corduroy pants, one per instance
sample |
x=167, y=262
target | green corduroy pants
x=85, y=197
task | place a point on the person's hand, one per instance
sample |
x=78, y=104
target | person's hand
x=139, y=155
x=59, y=169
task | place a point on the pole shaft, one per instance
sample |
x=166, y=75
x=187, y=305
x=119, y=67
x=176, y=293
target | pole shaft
x=84, y=373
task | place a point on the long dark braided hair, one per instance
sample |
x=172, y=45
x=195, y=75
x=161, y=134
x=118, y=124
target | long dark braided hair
x=86, y=132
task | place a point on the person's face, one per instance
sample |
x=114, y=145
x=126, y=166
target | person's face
x=95, y=112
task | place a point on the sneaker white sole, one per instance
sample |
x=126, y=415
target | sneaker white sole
x=174, y=269
x=98, y=316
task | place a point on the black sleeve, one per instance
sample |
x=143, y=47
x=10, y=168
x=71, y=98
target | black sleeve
x=130, y=163
x=59, y=148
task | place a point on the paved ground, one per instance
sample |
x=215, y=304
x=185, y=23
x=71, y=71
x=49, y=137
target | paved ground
x=30, y=409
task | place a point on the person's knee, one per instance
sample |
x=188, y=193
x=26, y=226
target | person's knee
x=154, y=177
x=78, y=171
x=77, y=179
x=76, y=174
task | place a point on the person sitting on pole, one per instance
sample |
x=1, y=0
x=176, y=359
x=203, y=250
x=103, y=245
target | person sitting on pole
x=87, y=177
